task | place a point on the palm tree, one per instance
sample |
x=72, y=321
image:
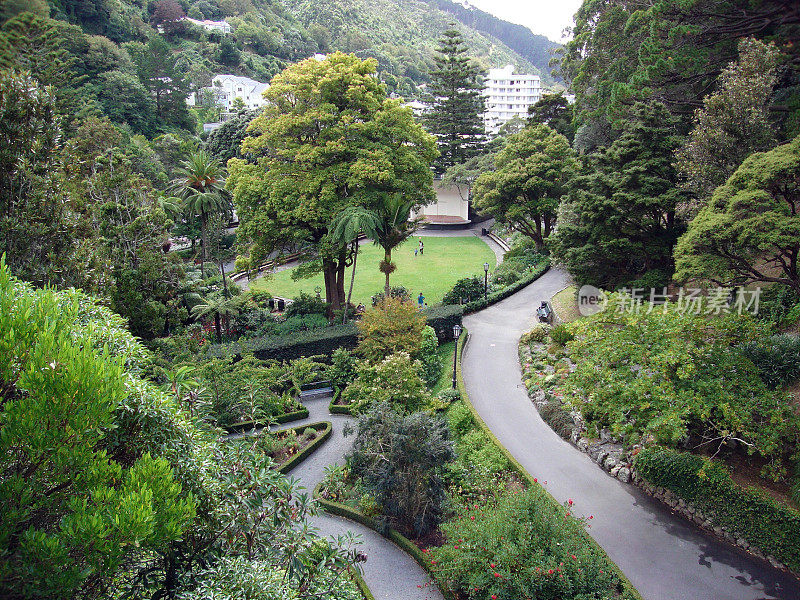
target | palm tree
x=220, y=307
x=395, y=226
x=200, y=185
x=345, y=229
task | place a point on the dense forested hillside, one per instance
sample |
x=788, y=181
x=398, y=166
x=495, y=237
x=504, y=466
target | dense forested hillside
x=401, y=34
x=536, y=49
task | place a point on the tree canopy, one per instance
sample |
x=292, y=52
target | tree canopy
x=750, y=229
x=329, y=139
x=531, y=173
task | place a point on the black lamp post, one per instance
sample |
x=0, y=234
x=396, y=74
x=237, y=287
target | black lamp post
x=485, y=279
x=456, y=335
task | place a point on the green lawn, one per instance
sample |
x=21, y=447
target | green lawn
x=445, y=382
x=445, y=261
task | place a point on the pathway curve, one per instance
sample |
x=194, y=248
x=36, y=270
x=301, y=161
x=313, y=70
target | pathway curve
x=664, y=556
x=390, y=573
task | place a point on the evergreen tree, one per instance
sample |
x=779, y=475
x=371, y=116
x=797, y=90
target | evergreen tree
x=456, y=115
x=618, y=222
x=553, y=110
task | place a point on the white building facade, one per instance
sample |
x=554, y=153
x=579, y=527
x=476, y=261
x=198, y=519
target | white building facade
x=227, y=88
x=508, y=95
x=221, y=26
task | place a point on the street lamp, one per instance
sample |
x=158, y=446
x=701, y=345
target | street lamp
x=485, y=279
x=456, y=335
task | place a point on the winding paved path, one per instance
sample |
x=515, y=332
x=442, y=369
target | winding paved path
x=390, y=573
x=663, y=555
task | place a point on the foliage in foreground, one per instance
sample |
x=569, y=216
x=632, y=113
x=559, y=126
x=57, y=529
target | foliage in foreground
x=108, y=486
x=522, y=546
x=668, y=375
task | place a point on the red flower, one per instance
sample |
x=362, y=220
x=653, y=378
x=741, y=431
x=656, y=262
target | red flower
x=535, y=480
x=497, y=574
x=494, y=597
x=549, y=571
x=569, y=501
x=491, y=565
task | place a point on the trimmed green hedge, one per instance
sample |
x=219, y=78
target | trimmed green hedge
x=284, y=418
x=442, y=319
x=505, y=292
x=325, y=340
x=342, y=510
x=362, y=586
x=325, y=427
x=748, y=513
x=338, y=409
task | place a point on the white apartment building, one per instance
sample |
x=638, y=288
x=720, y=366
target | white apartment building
x=226, y=88
x=508, y=95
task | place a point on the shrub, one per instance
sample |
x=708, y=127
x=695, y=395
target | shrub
x=392, y=326
x=429, y=357
x=524, y=546
x=776, y=304
x=558, y=418
x=666, y=373
x=306, y=304
x=460, y=419
x=465, y=290
x=398, y=293
x=401, y=460
x=538, y=334
x=772, y=528
x=342, y=370
x=561, y=334
x=777, y=358
x=301, y=323
x=395, y=380
x=295, y=345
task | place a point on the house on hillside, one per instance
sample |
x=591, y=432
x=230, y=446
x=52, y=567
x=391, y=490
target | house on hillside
x=221, y=26
x=225, y=89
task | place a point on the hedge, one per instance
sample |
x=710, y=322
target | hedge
x=366, y=594
x=284, y=418
x=323, y=426
x=325, y=340
x=505, y=292
x=342, y=510
x=628, y=591
x=746, y=512
x=338, y=409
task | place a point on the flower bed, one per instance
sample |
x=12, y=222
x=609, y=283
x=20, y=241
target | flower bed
x=482, y=550
x=289, y=447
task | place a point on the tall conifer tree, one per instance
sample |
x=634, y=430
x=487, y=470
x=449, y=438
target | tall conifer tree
x=456, y=115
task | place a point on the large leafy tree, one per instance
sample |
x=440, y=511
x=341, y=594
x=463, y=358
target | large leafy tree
x=456, y=114
x=328, y=140
x=673, y=52
x=619, y=220
x=734, y=121
x=553, y=110
x=530, y=176
x=750, y=229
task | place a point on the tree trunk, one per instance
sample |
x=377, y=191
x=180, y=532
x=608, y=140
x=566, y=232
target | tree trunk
x=387, y=258
x=352, y=281
x=340, y=275
x=329, y=270
x=218, y=327
x=203, y=228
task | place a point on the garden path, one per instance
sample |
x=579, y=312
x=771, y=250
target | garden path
x=390, y=573
x=664, y=556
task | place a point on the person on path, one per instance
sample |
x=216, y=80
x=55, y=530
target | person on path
x=421, y=300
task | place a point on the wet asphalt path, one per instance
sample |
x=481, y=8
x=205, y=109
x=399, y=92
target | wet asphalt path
x=664, y=556
x=390, y=573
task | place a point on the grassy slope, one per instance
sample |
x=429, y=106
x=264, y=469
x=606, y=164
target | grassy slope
x=445, y=261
